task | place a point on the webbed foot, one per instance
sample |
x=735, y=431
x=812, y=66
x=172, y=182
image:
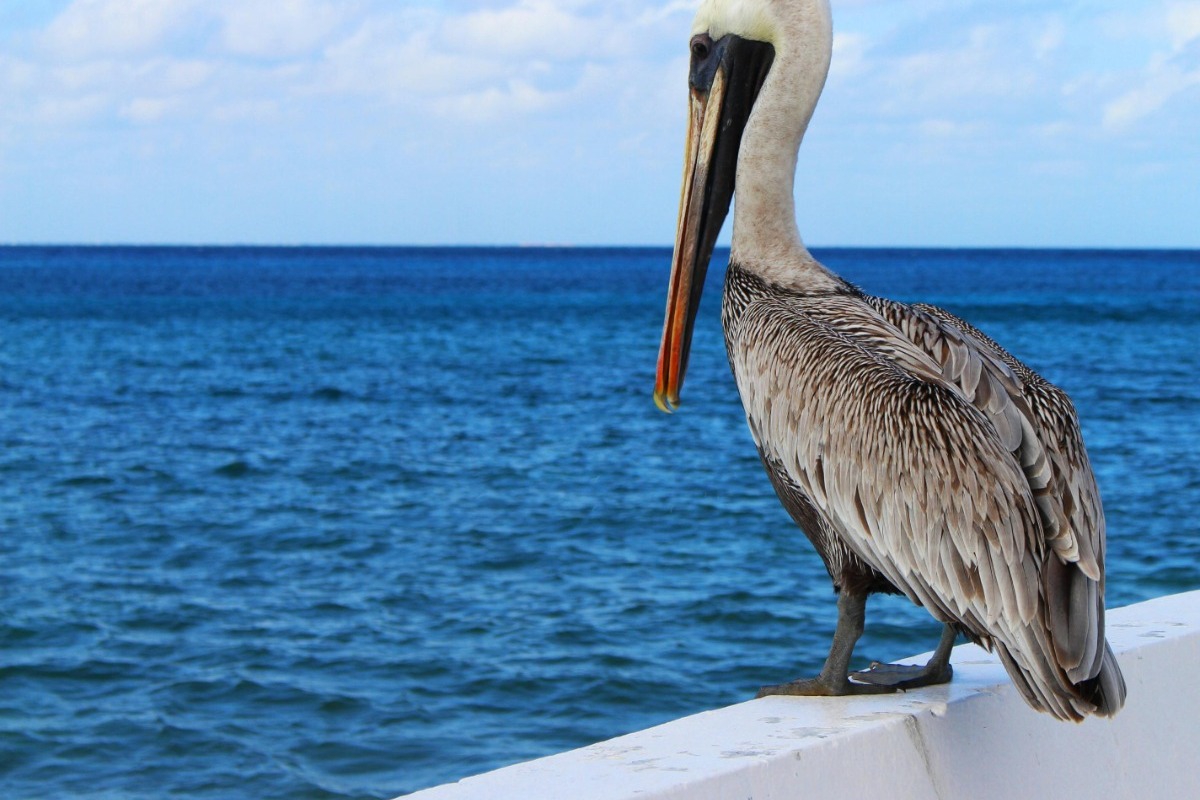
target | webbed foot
x=825, y=687
x=836, y=681
x=904, y=676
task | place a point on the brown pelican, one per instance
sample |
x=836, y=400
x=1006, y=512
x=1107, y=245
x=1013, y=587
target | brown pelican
x=918, y=455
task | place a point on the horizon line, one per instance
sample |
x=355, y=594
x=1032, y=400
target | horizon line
x=570, y=246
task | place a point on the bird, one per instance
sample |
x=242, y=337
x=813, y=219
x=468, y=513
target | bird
x=918, y=456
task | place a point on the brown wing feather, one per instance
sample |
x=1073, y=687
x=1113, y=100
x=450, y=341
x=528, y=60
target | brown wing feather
x=931, y=470
x=1069, y=504
x=1060, y=475
x=1057, y=427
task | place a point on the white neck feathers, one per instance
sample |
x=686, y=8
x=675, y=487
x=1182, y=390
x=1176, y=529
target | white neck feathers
x=766, y=239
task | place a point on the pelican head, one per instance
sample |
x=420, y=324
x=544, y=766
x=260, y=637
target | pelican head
x=757, y=69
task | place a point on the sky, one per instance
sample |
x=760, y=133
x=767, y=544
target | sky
x=1023, y=123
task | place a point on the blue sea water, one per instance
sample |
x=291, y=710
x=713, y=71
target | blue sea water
x=346, y=523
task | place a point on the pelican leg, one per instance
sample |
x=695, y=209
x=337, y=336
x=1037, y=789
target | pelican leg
x=912, y=676
x=833, y=680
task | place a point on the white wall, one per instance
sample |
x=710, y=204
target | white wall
x=974, y=738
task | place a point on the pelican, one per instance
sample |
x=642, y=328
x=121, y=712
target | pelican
x=918, y=455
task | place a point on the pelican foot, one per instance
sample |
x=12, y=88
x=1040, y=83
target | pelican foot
x=904, y=676
x=825, y=687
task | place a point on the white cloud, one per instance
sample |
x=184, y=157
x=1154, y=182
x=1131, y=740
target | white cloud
x=979, y=71
x=531, y=28
x=279, y=28
x=849, y=55
x=68, y=110
x=512, y=58
x=1183, y=23
x=1172, y=73
x=1051, y=38
x=16, y=75
x=257, y=28
x=949, y=129
x=1161, y=84
x=1037, y=67
x=146, y=110
x=494, y=103
x=579, y=85
x=527, y=57
x=91, y=28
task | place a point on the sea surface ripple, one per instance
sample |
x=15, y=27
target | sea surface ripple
x=346, y=523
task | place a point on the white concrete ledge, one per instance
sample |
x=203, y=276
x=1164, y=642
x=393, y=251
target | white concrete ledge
x=974, y=738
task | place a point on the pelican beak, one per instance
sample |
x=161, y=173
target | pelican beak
x=725, y=79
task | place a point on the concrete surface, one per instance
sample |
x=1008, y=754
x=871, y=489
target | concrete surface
x=974, y=738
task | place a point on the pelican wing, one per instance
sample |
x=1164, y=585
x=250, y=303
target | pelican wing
x=912, y=476
x=1059, y=473
x=1057, y=427
x=926, y=462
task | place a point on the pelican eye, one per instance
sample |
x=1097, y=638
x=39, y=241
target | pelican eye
x=701, y=46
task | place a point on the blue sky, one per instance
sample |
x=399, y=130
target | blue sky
x=958, y=123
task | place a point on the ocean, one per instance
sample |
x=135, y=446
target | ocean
x=347, y=523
